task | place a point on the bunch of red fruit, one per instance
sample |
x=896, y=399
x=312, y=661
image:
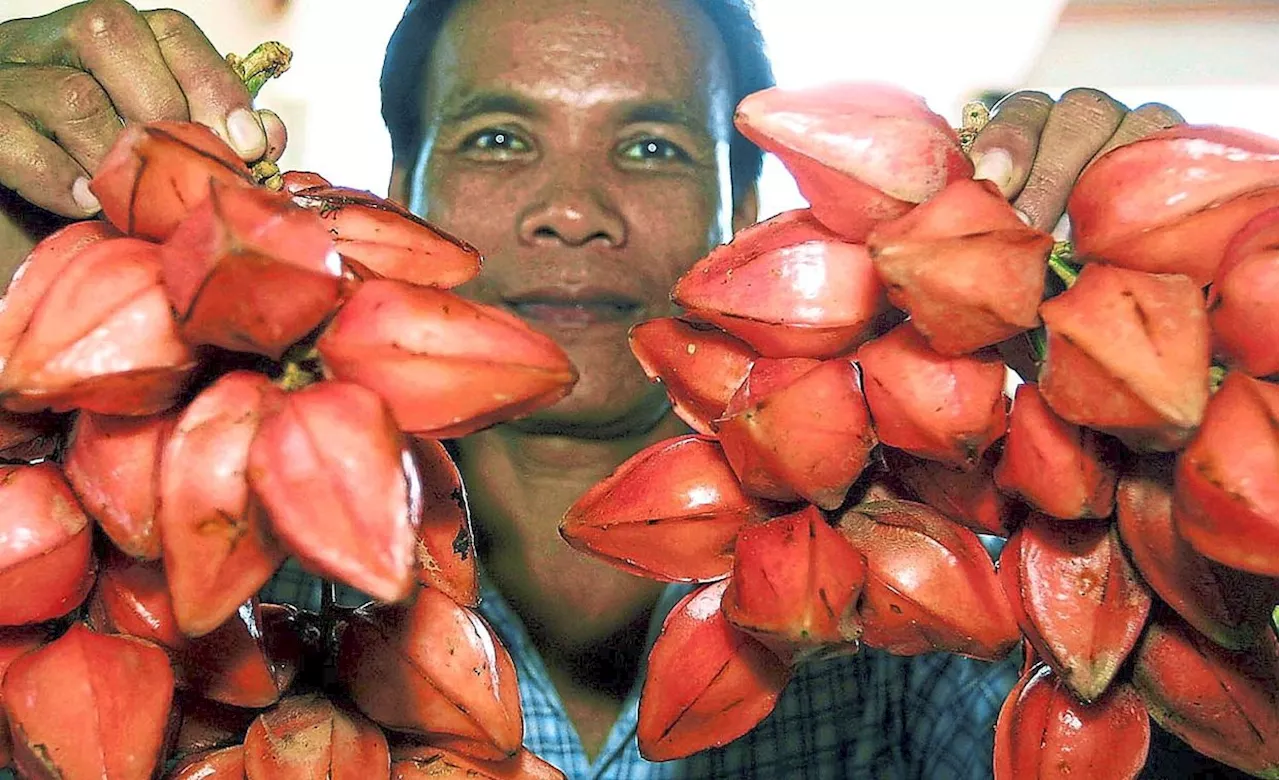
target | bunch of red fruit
x=844, y=368
x=244, y=374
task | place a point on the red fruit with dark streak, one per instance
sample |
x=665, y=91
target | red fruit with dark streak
x=1077, y=598
x=707, y=683
x=948, y=409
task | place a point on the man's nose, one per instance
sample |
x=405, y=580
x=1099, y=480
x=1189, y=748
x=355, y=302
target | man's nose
x=573, y=210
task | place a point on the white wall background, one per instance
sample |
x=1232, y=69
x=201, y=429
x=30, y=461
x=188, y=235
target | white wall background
x=1216, y=62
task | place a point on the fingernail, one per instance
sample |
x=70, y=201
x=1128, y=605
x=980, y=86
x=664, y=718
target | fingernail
x=1022, y=215
x=996, y=166
x=84, y=197
x=246, y=134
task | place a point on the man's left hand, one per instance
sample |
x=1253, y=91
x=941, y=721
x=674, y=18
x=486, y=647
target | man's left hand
x=1034, y=148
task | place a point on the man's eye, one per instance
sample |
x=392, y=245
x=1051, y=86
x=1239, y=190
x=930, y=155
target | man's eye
x=654, y=150
x=495, y=142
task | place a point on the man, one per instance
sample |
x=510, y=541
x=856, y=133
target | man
x=586, y=147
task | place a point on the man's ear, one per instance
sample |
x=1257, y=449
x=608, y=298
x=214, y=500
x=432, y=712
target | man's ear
x=746, y=209
x=398, y=189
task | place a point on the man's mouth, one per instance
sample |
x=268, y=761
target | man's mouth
x=573, y=311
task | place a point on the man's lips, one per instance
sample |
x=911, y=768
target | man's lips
x=573, y=310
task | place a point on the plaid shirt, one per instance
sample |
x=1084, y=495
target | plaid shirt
x=872, y=715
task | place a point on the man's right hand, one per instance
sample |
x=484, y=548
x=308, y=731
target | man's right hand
x=71, y=80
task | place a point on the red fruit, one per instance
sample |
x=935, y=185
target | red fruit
x=420, y=762
x=155, y=173
x=218, y=550
x=789, y=288
x=1044, y=731
x=78, y=711
x=435, y=669
x=1244, y=302
x=700, y=368
x=446, y=366
x=1226, y=605
x=222, y=764
x=250, y=272
x=930, y=584
x=968, y=497
x=670, y=512
x=380, y=237
x=102, y=338
x=1144, y=377
x=706, y=683
x=966, y=269
x=294, y=182
x=41, y=268
x=13, y=643
x=231, y=664
x=308, y=737
x=45, y=541
x=1226, y=500
x=948, y=409
x=113, y=465
x=1221, y=703
x=445, y=552
x=1171, y=202
x=329, y=466
x=862, y=153
x=1058, y=468
x=1076, y=597
x=795, y=585
x=798, y=429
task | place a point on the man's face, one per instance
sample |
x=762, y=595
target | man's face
x=582, y=146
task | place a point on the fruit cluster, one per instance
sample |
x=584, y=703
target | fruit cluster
x=216, y=377
x=848, y=372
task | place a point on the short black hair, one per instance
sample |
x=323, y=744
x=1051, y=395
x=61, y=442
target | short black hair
x=415, y=36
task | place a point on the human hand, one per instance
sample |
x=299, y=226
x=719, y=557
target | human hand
x=70, y=80
x=1034, y=149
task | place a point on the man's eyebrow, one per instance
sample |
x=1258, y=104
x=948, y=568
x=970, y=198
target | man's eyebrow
x=661, y=112
x=478, y=103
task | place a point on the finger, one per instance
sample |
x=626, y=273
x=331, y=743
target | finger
x=112, y=41
x=277, y=135
x=1006, y=148
x=68, y=106
x=41, y=171
x=1140, y=123
x=215, y=95
x=1078, y=126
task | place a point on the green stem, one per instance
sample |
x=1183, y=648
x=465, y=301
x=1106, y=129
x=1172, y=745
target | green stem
x=1059, y=263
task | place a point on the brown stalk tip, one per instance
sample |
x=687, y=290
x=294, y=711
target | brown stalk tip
x=268, y=60
x=267, y=174
x=973, y=117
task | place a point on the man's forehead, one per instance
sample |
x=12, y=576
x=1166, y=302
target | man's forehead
x=634, y=52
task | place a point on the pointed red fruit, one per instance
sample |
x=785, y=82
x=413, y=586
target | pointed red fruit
x=445, y=552
x=306, y=737
x=707, y=683
x=862, y=153
x=798, y=429
x=670, y=512
x=948, y=409
x=700, y=368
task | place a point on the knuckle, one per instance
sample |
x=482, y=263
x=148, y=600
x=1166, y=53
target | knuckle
x=1158, y=114
x=167, y=24
x=80, y=97
x=102, y=21
x=1091, y=100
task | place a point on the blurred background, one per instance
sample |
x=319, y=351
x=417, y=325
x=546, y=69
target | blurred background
x=1216, y=61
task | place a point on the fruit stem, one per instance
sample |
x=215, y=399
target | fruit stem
x=1059, y=263
x=265, y=62
x=973, y=117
